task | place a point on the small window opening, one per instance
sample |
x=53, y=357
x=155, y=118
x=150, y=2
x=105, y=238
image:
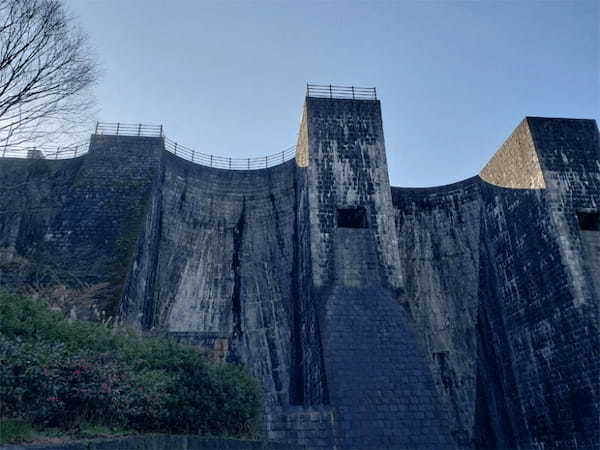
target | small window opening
x=352, y=217
x=589, y=220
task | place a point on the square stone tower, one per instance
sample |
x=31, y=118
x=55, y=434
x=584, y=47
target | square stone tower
x=360, y=353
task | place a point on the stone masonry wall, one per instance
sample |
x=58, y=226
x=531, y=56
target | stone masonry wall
x=516, y=164
x=310, y=383
x=76, y=222
x=438, y=238
x=223, y=258
x=538, y=321
x=543, y=345
x=502, y=285
x=489, y=288
x=379, y=386
x=548, y=311
x=464, y=315
x=310, y=426
x=348, y=169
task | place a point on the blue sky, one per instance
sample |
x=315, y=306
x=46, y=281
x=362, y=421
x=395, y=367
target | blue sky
x=454, y=78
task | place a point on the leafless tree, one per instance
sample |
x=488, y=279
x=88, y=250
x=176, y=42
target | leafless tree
x=46, y=74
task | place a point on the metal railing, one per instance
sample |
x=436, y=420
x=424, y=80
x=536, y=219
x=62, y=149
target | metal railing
x=222, y=162
x=195, y=156
x=126, y=129
x=343, y=92
x=129, y=129
x=46, y=152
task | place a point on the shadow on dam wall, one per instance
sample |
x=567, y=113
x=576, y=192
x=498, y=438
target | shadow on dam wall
x=461, y=316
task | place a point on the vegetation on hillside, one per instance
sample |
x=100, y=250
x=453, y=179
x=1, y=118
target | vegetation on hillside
x=70, y=375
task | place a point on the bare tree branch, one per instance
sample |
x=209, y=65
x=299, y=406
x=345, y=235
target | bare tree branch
x=46, y=74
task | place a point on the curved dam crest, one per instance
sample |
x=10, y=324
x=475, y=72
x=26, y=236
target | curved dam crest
x=461, y=316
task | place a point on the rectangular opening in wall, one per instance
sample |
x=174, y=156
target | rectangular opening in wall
x=589, y=220
x=352, y=217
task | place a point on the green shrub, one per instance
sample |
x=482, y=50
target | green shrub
x=57, y=373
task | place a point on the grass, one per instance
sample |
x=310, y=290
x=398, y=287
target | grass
x=90, y=430
x=14, y=431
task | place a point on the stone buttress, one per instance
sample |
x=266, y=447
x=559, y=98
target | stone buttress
x=372, y=371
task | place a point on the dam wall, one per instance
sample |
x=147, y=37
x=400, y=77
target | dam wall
x=461, y=316
x=219, y=258
x=538, y=318
x=501, y=279
x=378, y=382
x=75, y=222
x=438, y=243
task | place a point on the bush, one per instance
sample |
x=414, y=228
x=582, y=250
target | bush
x=60, y=374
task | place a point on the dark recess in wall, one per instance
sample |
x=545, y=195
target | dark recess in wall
x=352, y=217
x=589, y=220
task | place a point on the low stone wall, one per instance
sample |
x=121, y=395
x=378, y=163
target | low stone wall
x=160, y=442
x=309, y=426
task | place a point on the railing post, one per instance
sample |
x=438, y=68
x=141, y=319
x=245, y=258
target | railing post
x=266, y=163
x=118, y=125
x=230, y=162
x=211, y=158
x=139, y=129
x=76, y=151
x=193, y=151
x=330, y=92
x=282, y=155
x=248, y=163
x=375, y=93
x=353, y=93
x=161, y=130
x=175, y=148
x=97, y=125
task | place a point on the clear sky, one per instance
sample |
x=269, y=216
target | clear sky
x=454, y=78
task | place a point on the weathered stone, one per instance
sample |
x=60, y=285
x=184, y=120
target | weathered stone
x=461, y=316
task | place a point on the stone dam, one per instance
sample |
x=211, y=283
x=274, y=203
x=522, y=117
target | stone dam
x=463, y=316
